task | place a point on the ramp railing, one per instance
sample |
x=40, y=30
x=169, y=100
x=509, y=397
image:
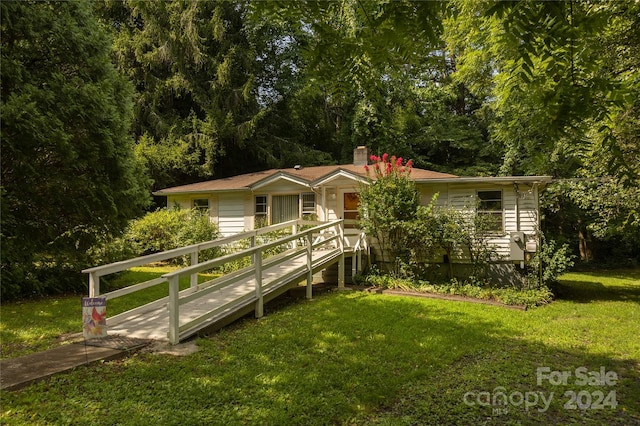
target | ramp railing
x=192, y=251
x=328, y=236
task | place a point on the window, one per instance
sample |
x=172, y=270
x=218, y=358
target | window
x=261, y=211
x=284, y=208
x=308, y=204
x=490, y=204
x=201, y=204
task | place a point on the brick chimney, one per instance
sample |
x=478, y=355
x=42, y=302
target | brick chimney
x=361, y=156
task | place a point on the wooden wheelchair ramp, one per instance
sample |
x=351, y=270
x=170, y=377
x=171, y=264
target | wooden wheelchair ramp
x=218, y=302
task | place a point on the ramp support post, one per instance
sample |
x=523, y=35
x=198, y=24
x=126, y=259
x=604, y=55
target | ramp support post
x=341, y=263
x=194, y=277
x=174, y=310
x=309, y=265
x=259, y=299
x=94, y=284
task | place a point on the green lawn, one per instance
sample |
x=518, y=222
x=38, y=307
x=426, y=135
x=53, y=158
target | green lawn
x=356, y=358
x=36, y=325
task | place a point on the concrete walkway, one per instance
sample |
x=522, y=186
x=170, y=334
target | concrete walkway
x=16, y=373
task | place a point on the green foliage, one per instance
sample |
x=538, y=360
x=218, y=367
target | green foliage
x=409, y=234
x=549, y=71
x=350, y=43
x=68, y=169
x=166, y=229
x=600, y=216
x=509, y=296
x=549, y=262
x=388, y=203
x=262, y=239
x=194, y=68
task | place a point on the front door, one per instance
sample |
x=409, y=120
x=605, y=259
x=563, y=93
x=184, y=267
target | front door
x=350, y=201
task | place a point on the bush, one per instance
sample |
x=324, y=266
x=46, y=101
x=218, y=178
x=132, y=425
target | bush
x=388, y=203
x=508, y=296
x=408, y=234
x=554, y=261
x=166, y=229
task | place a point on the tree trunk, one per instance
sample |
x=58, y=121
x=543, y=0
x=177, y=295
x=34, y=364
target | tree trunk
x=584, y=244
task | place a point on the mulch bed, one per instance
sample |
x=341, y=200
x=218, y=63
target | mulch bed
x=453, y=297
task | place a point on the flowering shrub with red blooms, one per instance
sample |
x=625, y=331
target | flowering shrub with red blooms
x=382, y=167
x=408, y=234
x=388, y=203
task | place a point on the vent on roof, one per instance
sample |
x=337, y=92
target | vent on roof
x=361, y=156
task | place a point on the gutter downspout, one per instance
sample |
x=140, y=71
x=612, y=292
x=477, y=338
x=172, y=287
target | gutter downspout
x=516, y=191
x=517, y=207
x=539, y=239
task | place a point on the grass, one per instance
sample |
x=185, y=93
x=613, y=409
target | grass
x=356, y=358
x=36, y=325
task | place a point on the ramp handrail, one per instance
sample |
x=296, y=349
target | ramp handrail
x=256, y=254
x=98, y=271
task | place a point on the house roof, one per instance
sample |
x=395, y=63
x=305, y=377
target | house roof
x=320, y=175
x=310, y=176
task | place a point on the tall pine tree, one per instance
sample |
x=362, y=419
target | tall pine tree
x=69, y=173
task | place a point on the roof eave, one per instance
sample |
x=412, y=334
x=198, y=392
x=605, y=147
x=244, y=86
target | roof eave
x=490, y=179
x=200, y=191
x=276, y=176
x=336, y=174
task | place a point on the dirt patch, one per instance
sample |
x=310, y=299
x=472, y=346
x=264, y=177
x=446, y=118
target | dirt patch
x=164, y=348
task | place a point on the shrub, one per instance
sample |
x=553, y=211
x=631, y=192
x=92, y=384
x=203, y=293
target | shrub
x=166, y=229
x=553, y=260
x=388, y=203
x=509, y=296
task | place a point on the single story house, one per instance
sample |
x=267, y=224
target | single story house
x=327, y=193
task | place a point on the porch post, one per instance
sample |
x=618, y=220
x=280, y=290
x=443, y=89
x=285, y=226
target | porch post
x=324, y=204
x=353, y=264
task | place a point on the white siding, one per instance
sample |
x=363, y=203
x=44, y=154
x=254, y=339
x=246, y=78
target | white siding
x=331, y=204
x=186, y=202
x=428, y=191
x=231, y=214
x=528, y=212
x=249, y=210
x=182, y=202
x=282, y=186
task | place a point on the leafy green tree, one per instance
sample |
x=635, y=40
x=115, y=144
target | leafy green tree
x=561, y=80
x=68, y=169
x=350, y=41
x=547, y=71
x=388, y=203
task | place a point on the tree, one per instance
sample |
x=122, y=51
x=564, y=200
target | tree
x=193, y=68
x=561, y=80
x=388, y=204
x=351, y=43
x=547, y=71
x=68, y=169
